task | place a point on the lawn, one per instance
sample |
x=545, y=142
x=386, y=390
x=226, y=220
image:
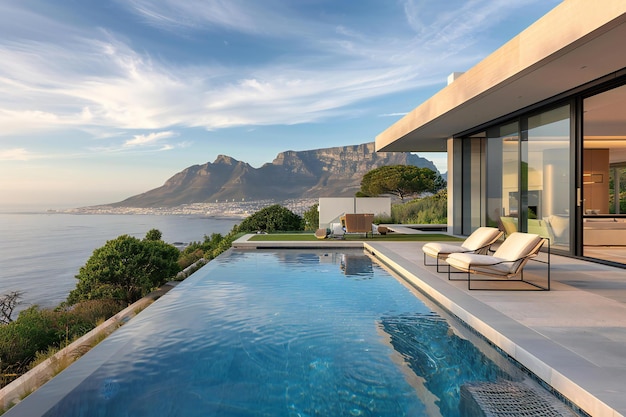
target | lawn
x=391, y=237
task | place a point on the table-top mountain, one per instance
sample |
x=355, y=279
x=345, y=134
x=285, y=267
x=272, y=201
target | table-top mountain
x=329, y=172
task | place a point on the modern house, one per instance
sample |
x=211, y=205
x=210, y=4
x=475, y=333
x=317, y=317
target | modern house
x=536, y=133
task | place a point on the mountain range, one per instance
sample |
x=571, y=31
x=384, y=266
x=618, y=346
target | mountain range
x=328, y=172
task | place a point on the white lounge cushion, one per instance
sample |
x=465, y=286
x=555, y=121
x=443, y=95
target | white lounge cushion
x=504, y=261
x=435, y=249
x=481, y=237
x=517, y=245
x=480, y=263
x=478, y=239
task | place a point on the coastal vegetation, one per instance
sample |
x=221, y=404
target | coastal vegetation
x=117, y=274
x=206, y=250
x=274, y=218
x=41, y=331
x=126, y=269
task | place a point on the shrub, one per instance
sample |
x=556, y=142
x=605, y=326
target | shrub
x=32, y=331
x=383, y=219
x=311, y=217
x=125, y=269
x=94, y=312
x=427, y=210
x=275, y=218
x=190, y=257
x=198, y=250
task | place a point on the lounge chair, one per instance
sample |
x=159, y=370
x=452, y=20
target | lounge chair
x=507, y=262
x=337, y=231
x=321, y=233
x=478, y=242
x=508, y=225
x=358, y=222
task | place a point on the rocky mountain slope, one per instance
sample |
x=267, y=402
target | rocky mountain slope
x=335, y=172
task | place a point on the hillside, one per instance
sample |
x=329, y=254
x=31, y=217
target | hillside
x=335, y=172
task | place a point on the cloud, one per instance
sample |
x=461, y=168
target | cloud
x=392, y=114
x=16, y=154
x=99, y=80
x=149, y=139
x=269, y=18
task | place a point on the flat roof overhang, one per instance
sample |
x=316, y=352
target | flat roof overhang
x=577, y=42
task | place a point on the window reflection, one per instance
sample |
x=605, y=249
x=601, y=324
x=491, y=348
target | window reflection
x=604, y=175
x=548, y=159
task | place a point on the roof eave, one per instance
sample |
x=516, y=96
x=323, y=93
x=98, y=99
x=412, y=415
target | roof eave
x=536, y=65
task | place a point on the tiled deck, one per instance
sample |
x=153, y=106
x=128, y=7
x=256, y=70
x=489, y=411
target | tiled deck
x=573, y=337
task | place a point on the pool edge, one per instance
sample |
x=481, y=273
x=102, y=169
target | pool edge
x=468, y=310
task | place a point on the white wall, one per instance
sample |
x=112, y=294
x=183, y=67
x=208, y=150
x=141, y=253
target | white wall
x=332, y=208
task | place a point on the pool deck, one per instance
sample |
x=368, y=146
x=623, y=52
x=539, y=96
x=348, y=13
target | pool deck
x=573, y=336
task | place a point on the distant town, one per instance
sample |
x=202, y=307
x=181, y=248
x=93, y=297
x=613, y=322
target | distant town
x=230, y=209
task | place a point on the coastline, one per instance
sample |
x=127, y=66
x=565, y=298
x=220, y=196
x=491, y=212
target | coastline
x=63, y=242
x=227, y=210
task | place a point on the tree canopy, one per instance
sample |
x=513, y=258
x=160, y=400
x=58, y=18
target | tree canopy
x=271, y=219
x=153, y=234
x=311, y=217
x=125, y=268
x=401, y=180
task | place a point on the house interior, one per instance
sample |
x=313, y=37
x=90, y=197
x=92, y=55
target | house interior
x=604, y=175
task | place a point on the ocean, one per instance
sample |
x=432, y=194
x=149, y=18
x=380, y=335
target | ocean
x=40, y=253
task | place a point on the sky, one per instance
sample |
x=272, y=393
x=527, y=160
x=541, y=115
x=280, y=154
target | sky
x=104, y=99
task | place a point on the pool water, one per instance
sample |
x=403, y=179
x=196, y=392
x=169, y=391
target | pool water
x=277, y=333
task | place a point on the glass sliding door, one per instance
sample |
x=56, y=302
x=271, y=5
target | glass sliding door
x=528, y=176
x=546, y=184
x=473, y=184
x=604, y=176
x=502, y=177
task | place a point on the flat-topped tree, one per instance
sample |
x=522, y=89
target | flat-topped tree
x=401, y=181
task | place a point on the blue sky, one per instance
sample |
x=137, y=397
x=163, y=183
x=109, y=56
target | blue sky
x=101, y=100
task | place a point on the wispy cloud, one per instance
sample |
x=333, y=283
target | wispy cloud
x=243, y=16
x=97, y=80
x=16, y=154
x=392, y=114
x=149, y=139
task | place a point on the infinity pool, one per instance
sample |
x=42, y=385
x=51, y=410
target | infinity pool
x=278, y=333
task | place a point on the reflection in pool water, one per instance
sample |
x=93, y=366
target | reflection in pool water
x=284, y=333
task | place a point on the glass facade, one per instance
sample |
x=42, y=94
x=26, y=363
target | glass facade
x=502, y=151
x=559, y=172
x=547, y=159
x=517, y=177
x=603, y=182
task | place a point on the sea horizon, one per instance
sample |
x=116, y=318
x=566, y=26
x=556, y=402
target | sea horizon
x=41, y=252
